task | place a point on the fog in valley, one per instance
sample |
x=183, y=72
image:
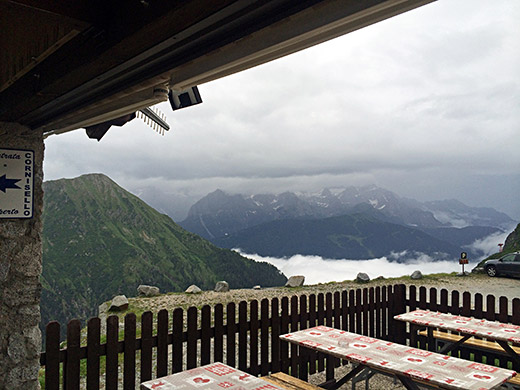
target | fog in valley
x=319, y=270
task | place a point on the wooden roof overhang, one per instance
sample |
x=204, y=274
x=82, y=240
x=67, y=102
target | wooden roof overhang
x=66, y=62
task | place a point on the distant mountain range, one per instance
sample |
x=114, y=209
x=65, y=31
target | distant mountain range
x=100, y=241
x=374, y=222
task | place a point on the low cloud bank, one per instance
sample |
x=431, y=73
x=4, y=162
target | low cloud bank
x=316, y=269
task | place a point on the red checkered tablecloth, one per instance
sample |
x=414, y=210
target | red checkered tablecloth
x=212, y=376
x=440, y=370
x=490, y=330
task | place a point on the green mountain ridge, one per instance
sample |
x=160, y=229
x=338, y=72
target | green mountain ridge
x=99, y=241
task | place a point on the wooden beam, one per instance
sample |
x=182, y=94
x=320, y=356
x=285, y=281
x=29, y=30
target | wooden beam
x=80, y=10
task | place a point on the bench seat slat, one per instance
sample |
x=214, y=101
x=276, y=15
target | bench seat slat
x=476, y=343
x=289, y=382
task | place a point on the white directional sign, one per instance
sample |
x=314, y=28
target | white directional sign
x=16, y=183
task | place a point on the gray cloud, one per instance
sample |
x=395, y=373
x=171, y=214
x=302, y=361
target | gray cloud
x=426, y=104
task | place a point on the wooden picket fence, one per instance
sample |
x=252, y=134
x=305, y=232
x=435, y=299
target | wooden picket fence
x=246, y=338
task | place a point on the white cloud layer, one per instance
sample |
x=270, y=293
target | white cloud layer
x=319, y=270
x=426, y=104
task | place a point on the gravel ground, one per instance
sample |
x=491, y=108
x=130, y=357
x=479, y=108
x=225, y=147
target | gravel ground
x=473, y=283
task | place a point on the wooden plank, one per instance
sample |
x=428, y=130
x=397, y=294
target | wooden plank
x=52, y=356
x=253, y=338
x=242, y=336
x=331, y=362
x=359, y=311
x=455, y=303
x=275, y=336
x=491, y=316
x=412, y=292
x=503, y=311
x=465, y=311
x=384, y=312
x=129, y=352
x=390, y=311
x=162, y=343
x=230, y=334
x=466, y=304
x=71, y=370
x=344, y=310
x=303, y=372
x=515, y=318
x=205, y=335
x=351, y=311
x=192, y=331
x=378, y=309
x=177, y=340
x=443, y=306
x=284, y=328
x=264, y=336
x=289, y=382
x=336, y=299
x=422, y=297
x=399, y=308
x=313, y=316
x=111, y=369
x=328, y=310
x=472, y=342
x=93, y=353
x=433, y=306
x=478, y=313
x=218, y=341
x=294, y=328
x=454, y=309
x=365, y=311
x=320, y=311
x=371, y=312
x=146, y=346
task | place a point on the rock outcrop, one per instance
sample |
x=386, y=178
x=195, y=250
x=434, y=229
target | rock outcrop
x=221, y=286
x=119, y=303
x=147, y=291
x=295, y=281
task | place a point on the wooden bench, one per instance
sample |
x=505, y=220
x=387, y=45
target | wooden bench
x=476, y=344
x=289, y=382
x=472, y=342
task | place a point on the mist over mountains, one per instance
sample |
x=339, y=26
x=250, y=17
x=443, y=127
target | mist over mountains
x=352, y=222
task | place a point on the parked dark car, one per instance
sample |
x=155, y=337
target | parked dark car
x=507, y=265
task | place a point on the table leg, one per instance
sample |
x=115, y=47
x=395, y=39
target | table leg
x=432, y=343
x=336, y=385
x=450, y=347
x=514, y=356
x=408, y=383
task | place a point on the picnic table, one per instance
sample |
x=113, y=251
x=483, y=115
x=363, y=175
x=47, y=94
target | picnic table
x=211, y=376
x=493, y=331
x=411, y=366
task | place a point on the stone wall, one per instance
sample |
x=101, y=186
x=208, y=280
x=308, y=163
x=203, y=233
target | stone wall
x=20, y=269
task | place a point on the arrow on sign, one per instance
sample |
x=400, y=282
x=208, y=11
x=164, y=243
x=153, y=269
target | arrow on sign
x=8, y=183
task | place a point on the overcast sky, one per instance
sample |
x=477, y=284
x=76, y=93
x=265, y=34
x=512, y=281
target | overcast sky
x=426, y=104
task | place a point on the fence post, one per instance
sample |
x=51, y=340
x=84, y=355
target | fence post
x=72, y=362
x=93, y=353
x=399, y=307
x=52, y=356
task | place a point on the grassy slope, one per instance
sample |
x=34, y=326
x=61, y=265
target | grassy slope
x=100, y=241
